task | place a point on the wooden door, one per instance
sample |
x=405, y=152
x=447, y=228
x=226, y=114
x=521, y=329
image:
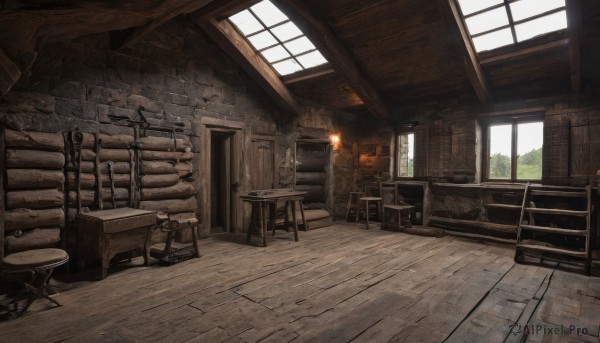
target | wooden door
x=263, y=164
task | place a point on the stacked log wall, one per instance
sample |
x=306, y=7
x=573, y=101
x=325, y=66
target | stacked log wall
x=34, y=190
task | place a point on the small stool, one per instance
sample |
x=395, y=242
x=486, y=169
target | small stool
x=260, y=219
x=401, y=212
x=290, y=204
x=40, y=264
x=368, y=201
x=170, y=226
x=353, y=205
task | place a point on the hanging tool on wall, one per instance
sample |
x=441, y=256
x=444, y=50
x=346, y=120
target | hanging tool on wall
x=77, y=139
x=111, y=175
x=144, y=125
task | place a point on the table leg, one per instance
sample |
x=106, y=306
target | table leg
x=272, y=212
x=195, y=238
x=294, y=219
x=147, y=246
x=252, y=222
x=367, y=212
x=263, y=222
x=303, y=217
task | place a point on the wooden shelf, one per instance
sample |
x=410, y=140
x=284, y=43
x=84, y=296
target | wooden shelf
x=556, y=211
x=475, y=223
x=504, y=206
x=548, y=229
x=552, y=250
x=559, y=194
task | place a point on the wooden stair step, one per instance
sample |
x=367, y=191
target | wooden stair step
x=553, y=250
x=556, y=211
x=548, y=229
x=560, y=194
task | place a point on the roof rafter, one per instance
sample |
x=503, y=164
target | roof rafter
x=335, y=52
x=238, y=48
x=574, y=29
x=125, y=38
x=450, y=10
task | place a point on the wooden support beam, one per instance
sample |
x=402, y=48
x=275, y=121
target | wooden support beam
x=125, y=38
x=309, y=74
x=236, y=46
x=335, y=52
x=574, y=29
x=449, y=9
x=223, y=9
x=521, y=53
x=9, y=73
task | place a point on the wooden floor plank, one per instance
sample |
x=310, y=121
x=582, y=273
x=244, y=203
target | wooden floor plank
x=340, y=284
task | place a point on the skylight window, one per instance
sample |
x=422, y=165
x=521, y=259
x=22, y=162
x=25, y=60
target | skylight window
x=496, y=23
x=280, y=42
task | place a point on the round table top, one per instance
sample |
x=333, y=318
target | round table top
x=35, y=258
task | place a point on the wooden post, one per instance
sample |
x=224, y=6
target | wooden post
x=2, y=201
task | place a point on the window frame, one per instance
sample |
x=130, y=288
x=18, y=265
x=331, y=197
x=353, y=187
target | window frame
x=512, y=24
x=397, y=134
x=514, y=121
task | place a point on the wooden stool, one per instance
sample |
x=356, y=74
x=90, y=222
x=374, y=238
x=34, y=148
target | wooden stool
x=259, y=220
x=40, y=264
x=368, y=201
x=353, y=205
x=401, y=212
x=290, y=204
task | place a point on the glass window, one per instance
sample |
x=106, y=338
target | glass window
x=514, y=150
x=277, y=38
x=491, y=25
x=405, y=153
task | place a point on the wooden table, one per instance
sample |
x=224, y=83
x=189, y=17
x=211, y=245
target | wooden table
x=103, y=234
x=261, y=199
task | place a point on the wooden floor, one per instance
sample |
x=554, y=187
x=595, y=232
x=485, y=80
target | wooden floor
x=339, y=284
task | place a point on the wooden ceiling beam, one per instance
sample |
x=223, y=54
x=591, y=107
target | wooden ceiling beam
x=521, y=53
x=238, y=48
x=310, y=74
x=574, y=29
x=335, y=52
x=222, y=9
x=450, y=10
x=122, y=39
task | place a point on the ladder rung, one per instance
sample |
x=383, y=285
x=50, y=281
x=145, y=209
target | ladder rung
x=553, y=250
x=560, y=194
x=556, y=211
x=556, y=230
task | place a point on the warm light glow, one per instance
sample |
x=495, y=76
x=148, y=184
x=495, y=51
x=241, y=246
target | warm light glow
x=334, y=139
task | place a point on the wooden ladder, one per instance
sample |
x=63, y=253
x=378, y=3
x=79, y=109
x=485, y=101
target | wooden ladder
x=528, y=207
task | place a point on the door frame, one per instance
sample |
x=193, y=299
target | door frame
x=207, y=125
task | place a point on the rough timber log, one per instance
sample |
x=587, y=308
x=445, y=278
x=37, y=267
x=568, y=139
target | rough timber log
x=23, y=218
x=37, y=199
x=313, y=192
x=116, y=155
x=120, y=167
x=88, y=155
x=306, y=163
x=87, y=198
x=89, y=141
x=179, y=190
x=34, y=159
x=158, y=167
x=33, y=239
x=165, y=144
x=120, y=194
x=34, y=140
x=120, y=180
x=170, y=206
x=88, y=180
x=159, y=180
x=34, y=178
x=115, y=141
x=86, y=167
x=119, y=204
x=150, y=155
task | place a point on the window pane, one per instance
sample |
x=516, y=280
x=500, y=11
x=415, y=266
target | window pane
x=286, y=31
x=246, y=22
x=268, y=13
x=300, y=45
x=405, y=155
x=287, y=67
x=530, y=140
x=493, y=40
x=471, y=6
x=311, y=59
x=262, y=40
x=275, y=54
x=500, y=151
x=549, y=23
x=487, y=21
x=527, y=8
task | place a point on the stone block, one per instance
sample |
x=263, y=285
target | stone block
x=157, y=95
x=108, y=96
x=174, y=85
x=68, y=107
x=27, y=102
x=91, y=75
x=68, y=89
x=134, y=101
x=179, y=111
x=154, y=79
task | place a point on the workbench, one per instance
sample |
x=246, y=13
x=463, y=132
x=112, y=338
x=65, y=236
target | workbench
x=103, y=234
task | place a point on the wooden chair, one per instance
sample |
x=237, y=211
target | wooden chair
x=397, y=215
x=372, y=200
x=39, y=265
x=353, y=206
